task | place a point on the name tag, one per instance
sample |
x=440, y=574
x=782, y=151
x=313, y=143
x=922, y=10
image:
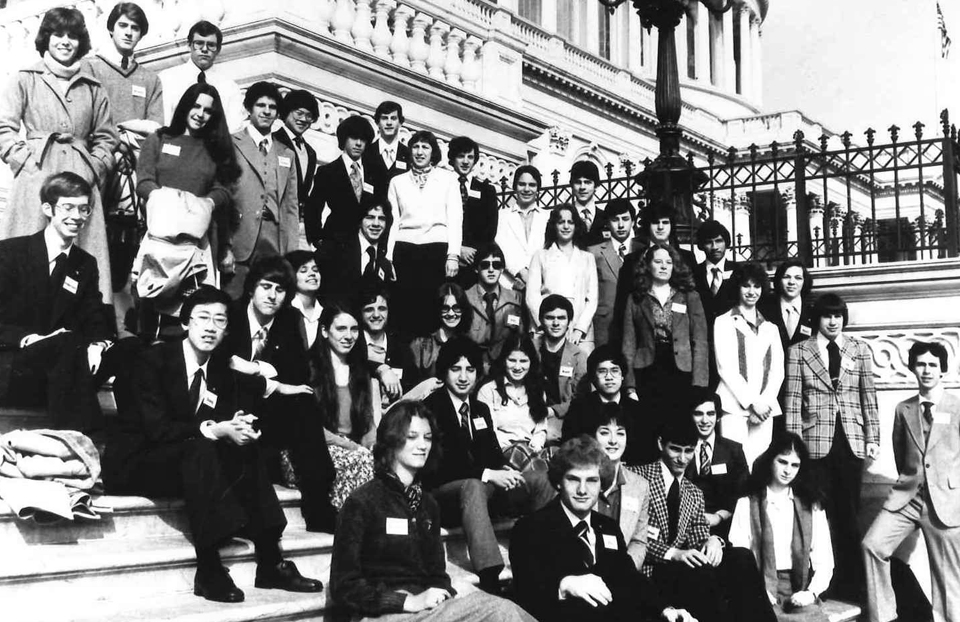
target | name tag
x=210, y=399
x=679, y=307
x=513, y=320
x=479, y=423
x=284, y=161
x=848, y=366
x=941, y=418
x=610, y=542
x=138, y=91
x=368, y=188
x=805, y=331
x=382, y=276
x=653, y=532
x=606, y=235
x=566, y=371
x=397, y=527
x=718, y=469
x=631, y=503
x=70, y=285
x=173, y=150
x=473, y=194
x=401, y=165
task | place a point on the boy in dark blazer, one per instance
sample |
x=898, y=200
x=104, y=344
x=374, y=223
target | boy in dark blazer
x=473, y=482
x=352, y=264
x=185, y=436
x=387, y=157
x=584, y=179
x=299, y=111
x=480, y=211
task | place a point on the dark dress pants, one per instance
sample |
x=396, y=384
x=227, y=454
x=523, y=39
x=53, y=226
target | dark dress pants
x=420, y=272
x=660, y=384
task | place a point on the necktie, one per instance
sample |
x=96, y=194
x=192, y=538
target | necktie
x=465, y=417
x=259, y=341
x=587, y=218
x=388, y=157
x=673, y=509
x=263, y=147
x=464, y=195
x=622, y=251
x=791, y=321
x=125, y=62
x=587, y=551
x=356, y=180
x=490, y=299
x=371, y=262
x=202, y=77
x=705, y=458
x=833, y=356
x=717, y=281
x=298, y=141
x=928, y=420
x=59, y=272
x=195, y=390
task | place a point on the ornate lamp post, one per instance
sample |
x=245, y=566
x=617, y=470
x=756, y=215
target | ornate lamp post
x=671, y=177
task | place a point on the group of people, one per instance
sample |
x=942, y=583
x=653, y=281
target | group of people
x=676, y=439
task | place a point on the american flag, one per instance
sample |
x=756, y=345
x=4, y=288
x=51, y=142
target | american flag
x=944, y=37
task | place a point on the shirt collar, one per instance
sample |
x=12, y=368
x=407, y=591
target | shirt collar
x=735, y=313
x=592, y=206
x=777, y=498
x=384, y=145
x=54, y=244
x=574, y=519
x=605, y=400
x=668, y=476
x=293, y=137
x=712, y=440
x=382, y=342
x=312, y=316
x=935, y=396
x=259, y=138
x=347, y=162
x=457, y=402
x=110, y=54
x=619, y=479
x=823, y=341
x=365, y=244
x=254, y=323
x=722, y=264
x=796, y=304
x=190, y=359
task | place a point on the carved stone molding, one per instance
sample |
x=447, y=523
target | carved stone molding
x=890, y=348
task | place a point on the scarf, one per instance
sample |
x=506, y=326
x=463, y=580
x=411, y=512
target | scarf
x=61, y=71
x=413, y=494
x=763, y=548
x=420, y=176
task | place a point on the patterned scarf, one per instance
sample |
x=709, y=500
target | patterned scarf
x=412, y=493
x=420, y=176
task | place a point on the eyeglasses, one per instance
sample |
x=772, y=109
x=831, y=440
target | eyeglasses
x=219, y=321
x=302, y=113
x=455, y=309
x=487, y=264
x=82, y=210
x=212, y=46
x=613, y=372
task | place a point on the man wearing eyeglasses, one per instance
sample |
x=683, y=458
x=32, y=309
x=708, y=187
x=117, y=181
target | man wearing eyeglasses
x=205, y=41
x=183, y=436
x=54, y=328
x=299, y=111
x=497, y=312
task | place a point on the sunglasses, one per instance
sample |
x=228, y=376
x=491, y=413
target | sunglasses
x=488, y=265
x=448, y=309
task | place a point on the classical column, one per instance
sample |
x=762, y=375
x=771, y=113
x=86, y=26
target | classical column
x=815, y=212
x=453, y=66
x=756, y=47
x=790, y=213
x=703, y=44
x=436, y=58
x=681, y=36
x=400, y=44
x=590, y=38
x=322, y=11
x=636, y=38
x=729, y=64
x=548, y=15
x=741, y=215
x=382, y=37
x=746, y=56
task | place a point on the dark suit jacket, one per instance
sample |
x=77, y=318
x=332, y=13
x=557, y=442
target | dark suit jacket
x=340, y=275
x=609, y=267
x=544, y=548
x=160, y=411
x=462, y=457
x=30, y=304
x=332, y=188
x=598, y=229
x=715, y=306
x=480, y=214
x=721, y=491
x=770, y=308
x=641, y=434
x=304, y=177
x=383, y=175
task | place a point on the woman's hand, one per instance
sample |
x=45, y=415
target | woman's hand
x=228, y=263
x=390, y=381
x=427, y=599
x=452, y=266
x=294, y=389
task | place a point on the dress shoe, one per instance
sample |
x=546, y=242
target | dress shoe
x=216, y=585
x=285, y=576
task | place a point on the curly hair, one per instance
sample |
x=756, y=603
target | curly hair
x=580, y=452
x=215, y=134
x=532, y=382
x=681, y=279
x=579, y=227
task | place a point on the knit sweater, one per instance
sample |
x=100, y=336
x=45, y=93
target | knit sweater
x=134, y=93
x=180, y=162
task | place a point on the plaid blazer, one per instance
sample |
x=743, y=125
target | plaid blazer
x=812, y=404
x=692, y=529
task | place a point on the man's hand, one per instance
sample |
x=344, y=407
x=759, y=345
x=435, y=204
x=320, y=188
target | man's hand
x=228, y=263
x=506, y=479
x=294, y=389
x=712, y=519
x=576, y=336
x=713, y=551
x=677, y=615
x=238, y=430
x=427, y=599
x=588, y=587
x=692, y=558
x=452, y=266
x=873, y=451
x=802, y=599
x=467, y=255
x=390, y=381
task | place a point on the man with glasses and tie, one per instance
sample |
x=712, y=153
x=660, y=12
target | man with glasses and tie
x=266, y=219
x=832, y=404
x=570, y=563
x=387, y=157
x=205, y=41
x=54, y=329
x=584, y=179
x=472, y=481
x=343, y=186
x=480, y=208
x=926, y=447
x=609, y=255
x=719, y=468
x=496, y=311
x=185, y=436
x=298, y=111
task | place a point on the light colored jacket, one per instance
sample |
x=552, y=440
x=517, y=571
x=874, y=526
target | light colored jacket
x=750, y=364
x=573, y=277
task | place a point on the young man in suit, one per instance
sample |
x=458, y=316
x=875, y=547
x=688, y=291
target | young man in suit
x=273, y=371
x=54, y=328
x=342, y=186
x=357, y=263
x=584, y=179
x=473, y=482
x=719, y=468
x=299, y=111
x=605, y=367
x=712, y=275
x=562, y=363
x=570, y=563
x=186, y=436
x=496, y=312
x=479, y=206
x=387, y=157
x=926, y=447
x=522, y=226
x=265, y=202
x=832, y=404
x=689, y=566
x=610, y=254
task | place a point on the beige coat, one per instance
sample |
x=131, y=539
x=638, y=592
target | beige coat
x=69, y=131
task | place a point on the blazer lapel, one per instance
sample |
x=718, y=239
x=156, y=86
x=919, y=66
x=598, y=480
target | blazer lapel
x=179, y=394
x=479, y=306
x=816, y=362
x=611, y=257
x=646, y=307
x=249, y=151
x=37, y=268
x=62, y=297
x=914, y=426
x=629, y=513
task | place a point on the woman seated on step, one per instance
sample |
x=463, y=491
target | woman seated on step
x=388, y=559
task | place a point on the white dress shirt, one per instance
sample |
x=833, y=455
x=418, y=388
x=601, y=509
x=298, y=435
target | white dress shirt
x=176, y=80
x=259, y=138
x=55, y=248
x=311, y=319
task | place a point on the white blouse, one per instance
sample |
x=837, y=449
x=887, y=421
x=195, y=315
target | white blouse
x=429, y=215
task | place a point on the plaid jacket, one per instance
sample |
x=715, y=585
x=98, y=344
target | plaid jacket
x=812, y=404
x=692, y=529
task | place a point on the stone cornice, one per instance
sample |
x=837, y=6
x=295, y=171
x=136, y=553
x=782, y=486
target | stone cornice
x=934, y=278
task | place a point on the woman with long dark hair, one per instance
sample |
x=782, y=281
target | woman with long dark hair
x=305, y=299
x=781, y=520
x=455, y=319
x=343, y=392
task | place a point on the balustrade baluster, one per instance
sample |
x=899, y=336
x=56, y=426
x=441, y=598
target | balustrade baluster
x=400, y=44
x=419, y=50
x=436, y=58
x=382, y=36
x=343, y=20
x=471, y=64
x=362, y=26
x=453, y=65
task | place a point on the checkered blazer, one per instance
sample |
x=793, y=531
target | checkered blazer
x=692, y=529
x=812, y=403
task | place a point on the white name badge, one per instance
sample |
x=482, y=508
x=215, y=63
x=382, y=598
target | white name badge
x=479, y=423
x=368, y=188
x=606, y=235
x=805, y=331
x=70, y=285
x=718, y=469
x=173, y=150
x=397, y=527
x=631, y=503
x=401, y=165
x=284, y=161
x=679, y=307
x=566, y=371
x=210, y=399
x=941, y=418
x=610, y=542
x=473, y=194
x=382, y=276
x=138, y=91
x=653, y=532
x=513, y=320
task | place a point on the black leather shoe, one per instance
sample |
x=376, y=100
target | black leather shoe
x=217, y=586
x=285, y=576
